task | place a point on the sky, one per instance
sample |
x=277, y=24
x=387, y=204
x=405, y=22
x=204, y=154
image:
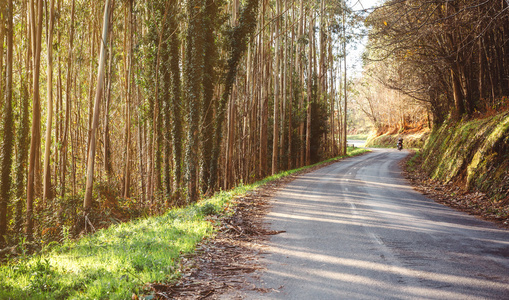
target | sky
x=355, y=64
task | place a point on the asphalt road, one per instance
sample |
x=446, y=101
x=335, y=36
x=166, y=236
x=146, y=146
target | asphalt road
x=357, y=230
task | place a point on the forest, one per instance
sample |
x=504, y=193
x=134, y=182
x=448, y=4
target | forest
x=428, y=61
x=117, y=109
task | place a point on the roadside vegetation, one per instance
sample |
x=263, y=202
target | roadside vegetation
x=180, y=99
x=414, y=140
x=118, y=262
x=473, y=155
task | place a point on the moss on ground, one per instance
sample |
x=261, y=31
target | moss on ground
x=473, y=154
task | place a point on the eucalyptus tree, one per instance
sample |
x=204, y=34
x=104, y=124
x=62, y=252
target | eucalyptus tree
x=87, y=201
x=176, y=98
x=238, y=42
x=194, y=78
x=36, y=19
x=49, y=102
x=212, y=22
x=22, y=132
x=7, y=125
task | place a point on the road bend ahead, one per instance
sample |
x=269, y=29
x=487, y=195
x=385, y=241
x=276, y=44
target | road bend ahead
x=357, y=230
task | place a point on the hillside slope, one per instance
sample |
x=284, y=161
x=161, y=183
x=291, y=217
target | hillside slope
x=389, y=140
x=473, y=155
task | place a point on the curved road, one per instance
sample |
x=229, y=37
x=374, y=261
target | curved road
x=357, y=230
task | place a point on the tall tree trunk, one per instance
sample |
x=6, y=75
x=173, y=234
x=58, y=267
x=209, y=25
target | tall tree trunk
x=108, y=168
x=291, y=94
x=36, y=28
x=209, y=80
x=310, y=87
x=59, y=105
x=284, y=88
x=87, y=202
x=49, y=121
x=302, y=149
x=127, y=169
x=264, y=109
x=68, y=93
x=141, y=149
x=176, y=99
x=240, y=35
x=194, y=87
x=22, y=133
x=262, y=158
x=345, y=106
x=7, y=128
x=275, y=141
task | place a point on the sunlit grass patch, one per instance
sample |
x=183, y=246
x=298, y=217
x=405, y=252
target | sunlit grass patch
x=114, y=263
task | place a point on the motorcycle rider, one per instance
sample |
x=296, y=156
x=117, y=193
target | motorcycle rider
x=400, y=144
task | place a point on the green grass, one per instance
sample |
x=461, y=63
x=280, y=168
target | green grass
x=414, y=162
x=117, y=262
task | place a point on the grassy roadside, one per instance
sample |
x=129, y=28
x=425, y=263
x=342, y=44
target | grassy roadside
x=473, y=156
x=117, y=262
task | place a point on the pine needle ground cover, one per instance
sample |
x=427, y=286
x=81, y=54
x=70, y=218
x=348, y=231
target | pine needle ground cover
x=119, y=261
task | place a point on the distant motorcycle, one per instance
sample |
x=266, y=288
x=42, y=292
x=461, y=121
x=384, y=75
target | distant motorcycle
x=400, y=144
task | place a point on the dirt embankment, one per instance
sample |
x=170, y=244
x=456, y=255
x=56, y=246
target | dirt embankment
x=469, y=160
x=411, y=139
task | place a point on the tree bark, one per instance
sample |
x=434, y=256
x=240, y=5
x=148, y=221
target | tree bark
x=49, y=121
x=87, y=201
x=68, y=93
x=7, y=128
x=275, y=141
x=36, y=28
x=309, y=88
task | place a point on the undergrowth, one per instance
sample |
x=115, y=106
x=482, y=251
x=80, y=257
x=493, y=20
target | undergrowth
x=119, y=261
x=473, y=154
x=410, y=140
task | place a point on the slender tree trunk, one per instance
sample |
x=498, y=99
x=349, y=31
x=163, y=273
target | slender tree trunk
x=262, y=158
x=345, y=110
x=87, y=202
x=310, y=87
x=194, y=87
x=106, y=135
x=302, y=149
x=209, y=80
x=275, y=141
x=141, y=150
x=36, y=114
x=22, y=133
x=68, y=93
x=127, y=170
x=49, y=121
x=176, y=99
x=7, y=128
x=91, y=88
x=284, y=89
x=59, y=105
x=293, y=59
x=3, y=16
